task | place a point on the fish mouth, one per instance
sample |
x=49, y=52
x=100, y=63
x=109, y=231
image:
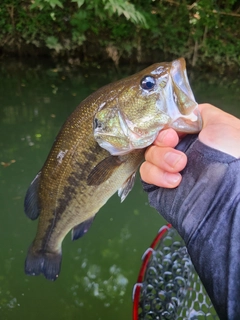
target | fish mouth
x=182, y=106
x=175, y=108
x=188, y=124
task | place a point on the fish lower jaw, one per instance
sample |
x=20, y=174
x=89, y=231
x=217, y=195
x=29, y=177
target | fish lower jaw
x=187, y=124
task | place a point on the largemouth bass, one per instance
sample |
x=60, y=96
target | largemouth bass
x=98, y=151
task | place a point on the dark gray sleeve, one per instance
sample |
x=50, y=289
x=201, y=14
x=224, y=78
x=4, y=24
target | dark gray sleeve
x=205, y=209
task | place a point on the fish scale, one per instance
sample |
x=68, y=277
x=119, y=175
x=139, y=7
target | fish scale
x=83, y=169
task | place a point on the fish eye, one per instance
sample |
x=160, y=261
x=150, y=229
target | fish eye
x=147, y=83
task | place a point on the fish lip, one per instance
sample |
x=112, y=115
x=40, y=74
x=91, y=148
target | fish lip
x=180, y=82
x=186, y=107
x=194, y=126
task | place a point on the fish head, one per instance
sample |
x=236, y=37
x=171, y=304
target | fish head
x=138, y=107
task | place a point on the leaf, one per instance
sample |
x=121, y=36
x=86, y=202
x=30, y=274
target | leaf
x=52, y=43
x=127, y=9
x=52, y=14
x=78, y=38
x=79, y=2
x=37, y=4
x=54, y=3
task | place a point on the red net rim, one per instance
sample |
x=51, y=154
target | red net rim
x=145, y=260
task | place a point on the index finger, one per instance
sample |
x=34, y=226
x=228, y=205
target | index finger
x=167, y=138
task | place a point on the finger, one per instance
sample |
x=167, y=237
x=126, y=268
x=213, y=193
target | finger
x=167, y=138
x=154, y=175
x=167, y=159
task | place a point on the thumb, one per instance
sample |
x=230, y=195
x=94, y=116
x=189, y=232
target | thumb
x=220, y=131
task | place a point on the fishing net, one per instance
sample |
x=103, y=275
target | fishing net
x=168, y=286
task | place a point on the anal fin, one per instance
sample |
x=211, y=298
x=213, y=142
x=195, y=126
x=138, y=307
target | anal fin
x=79, y=230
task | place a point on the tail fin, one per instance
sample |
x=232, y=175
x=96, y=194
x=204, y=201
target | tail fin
x=47, y=263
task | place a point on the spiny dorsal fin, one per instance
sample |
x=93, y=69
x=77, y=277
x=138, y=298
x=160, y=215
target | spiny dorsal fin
x=31, y=206
x=79, y=230
x=103, y=170
x=127, y=187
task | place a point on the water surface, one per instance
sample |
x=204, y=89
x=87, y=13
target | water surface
x=99, y=270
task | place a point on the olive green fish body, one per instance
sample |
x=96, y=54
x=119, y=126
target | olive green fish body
x=76, y=180
x=98, y=151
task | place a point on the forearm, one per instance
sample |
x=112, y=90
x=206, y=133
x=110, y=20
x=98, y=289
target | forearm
x=205, y=211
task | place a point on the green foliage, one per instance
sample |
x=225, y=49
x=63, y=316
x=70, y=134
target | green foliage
x=204, y=32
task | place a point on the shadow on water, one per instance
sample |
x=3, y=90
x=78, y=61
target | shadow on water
x=99, y=270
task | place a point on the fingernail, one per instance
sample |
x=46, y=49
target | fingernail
x=172, y=178
x=172, y=158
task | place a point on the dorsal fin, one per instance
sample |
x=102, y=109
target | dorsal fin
x=79, y=230
x=103, y=170
x=31, y=206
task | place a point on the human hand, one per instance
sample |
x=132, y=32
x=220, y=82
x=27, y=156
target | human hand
x=163, y=163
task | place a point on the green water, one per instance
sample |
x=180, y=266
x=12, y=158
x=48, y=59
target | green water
x=98, y=271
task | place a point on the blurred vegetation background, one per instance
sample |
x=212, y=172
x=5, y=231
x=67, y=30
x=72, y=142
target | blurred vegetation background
x=205, y=32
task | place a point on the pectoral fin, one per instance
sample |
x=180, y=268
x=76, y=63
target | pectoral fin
x=103, y=170
x=31, y=206
x=127, y=187
x=82, y=228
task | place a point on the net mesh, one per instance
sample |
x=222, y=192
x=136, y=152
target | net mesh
x=168, y=286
